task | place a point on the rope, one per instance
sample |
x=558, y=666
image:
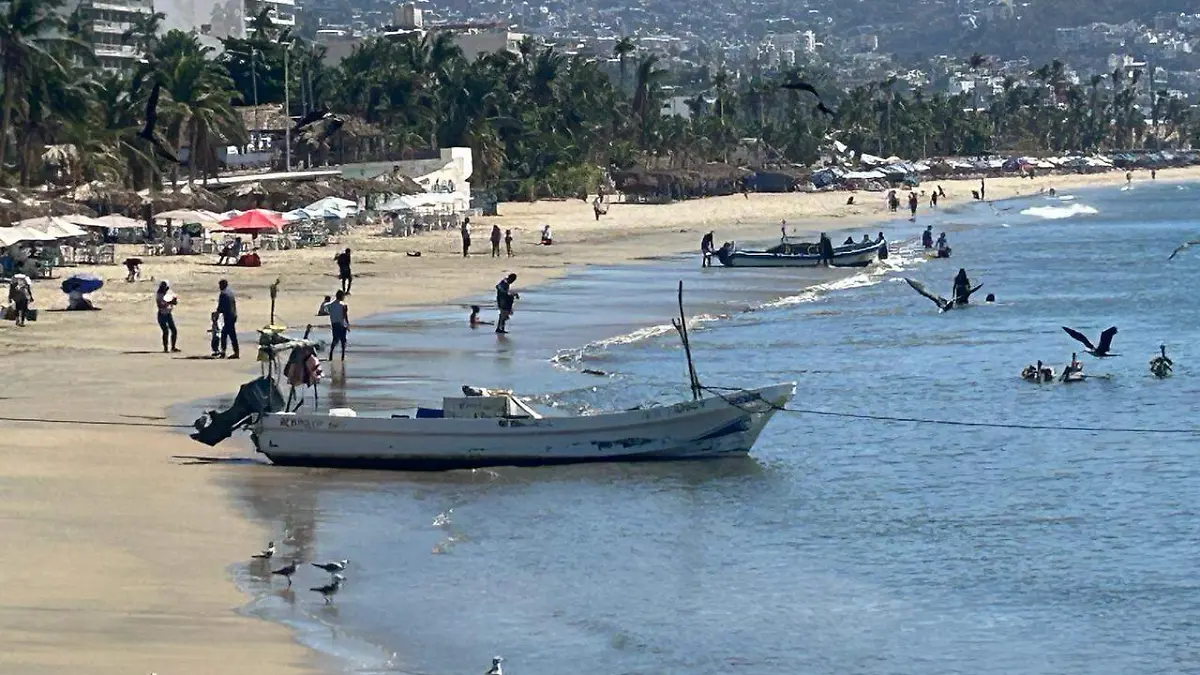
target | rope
x=96, y=423
x=947, y=423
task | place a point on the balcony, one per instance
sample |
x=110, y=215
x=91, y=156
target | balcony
x=132, y=8
x=117, y=51
x=114, y=27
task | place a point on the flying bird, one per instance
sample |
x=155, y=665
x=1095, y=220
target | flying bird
x=801, y=85
x=267, y=552
x=1183, y=247
x=287, y=571
x=332, y=567
x=1099, y=351
x=147, y=132
x=942, y=303
x=331, y=127
x=312, y=116
x=495, y=669
x=330, y=589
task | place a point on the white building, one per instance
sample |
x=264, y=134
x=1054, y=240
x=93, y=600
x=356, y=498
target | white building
x=110, y=20
x=474, y=43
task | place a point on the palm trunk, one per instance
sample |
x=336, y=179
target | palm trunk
x=6, y=108
x=193, y=154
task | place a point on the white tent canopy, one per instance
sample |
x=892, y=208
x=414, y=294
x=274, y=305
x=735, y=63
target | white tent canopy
x=119, y=222
x=18, y=234
x=424, y=199
x=190, y=216
x=54, y=226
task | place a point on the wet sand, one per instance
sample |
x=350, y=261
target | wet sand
x=119, y=540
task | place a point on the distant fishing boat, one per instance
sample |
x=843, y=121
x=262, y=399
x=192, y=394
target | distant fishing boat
x=485, y=428
x=789, y=254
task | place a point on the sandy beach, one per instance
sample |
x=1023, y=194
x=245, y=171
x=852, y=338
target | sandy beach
x=118, y=545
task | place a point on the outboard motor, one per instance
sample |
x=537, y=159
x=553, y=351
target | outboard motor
x=253, y=398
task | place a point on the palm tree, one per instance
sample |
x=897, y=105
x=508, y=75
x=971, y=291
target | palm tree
x=28, y=29
x=622, y=50
x=198, y=109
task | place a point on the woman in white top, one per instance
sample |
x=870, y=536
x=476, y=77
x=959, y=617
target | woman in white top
x=165, y=299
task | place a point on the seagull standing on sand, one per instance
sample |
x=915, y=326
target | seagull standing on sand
x=330, y=589
x=495, y=669
x=1099, y=351
x=332, y=567
x=267, y=552
x=287, y=571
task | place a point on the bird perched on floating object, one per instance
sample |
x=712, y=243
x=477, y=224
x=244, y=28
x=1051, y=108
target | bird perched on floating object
x=332, y=567
x=266, y=552
x=287, y=571
x=1183, y=247
x=1099, y=351
x=495, y=669
x=330, y=589
x=800, y=85
x=942, y=303
x=1161, y=364
x=147, y=131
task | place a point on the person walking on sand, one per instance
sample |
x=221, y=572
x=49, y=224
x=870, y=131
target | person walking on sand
x=339, y=323
x=20, y=294
x=227, y=308
x=165, y=299
x=508, y=242
x=496, y=236
x=344, y=275
x=505, y=296
x=466, y=236
x=933, y=197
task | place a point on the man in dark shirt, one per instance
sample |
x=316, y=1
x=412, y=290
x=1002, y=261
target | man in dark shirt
x=706, y=250
x=343, y=262
x=227, y=308
x=504, y=301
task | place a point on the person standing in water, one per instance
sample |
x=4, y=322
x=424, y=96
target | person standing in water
x=474, y=320
x=933, y=197
x=496, y=236
x=339, y=323
x=343, y=262
x=165, y=300
x=982, y=190
x=927, y=237
x=826, y=247
x=505, y=296
x=912, y=203
x=962, y=288
x=706, y=250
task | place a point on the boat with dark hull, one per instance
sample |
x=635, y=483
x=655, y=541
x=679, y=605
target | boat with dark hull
x=803, y=254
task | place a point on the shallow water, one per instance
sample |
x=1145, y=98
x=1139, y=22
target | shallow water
x=840, y=546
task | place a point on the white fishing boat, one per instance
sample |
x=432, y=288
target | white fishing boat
x=491, y=428
x=498, y=429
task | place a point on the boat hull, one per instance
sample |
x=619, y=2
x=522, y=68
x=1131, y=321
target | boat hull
x=713, y=427
x=842, y=257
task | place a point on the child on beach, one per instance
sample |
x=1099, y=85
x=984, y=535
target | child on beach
x=215, y=343
x=474, y=318
x=508, y=242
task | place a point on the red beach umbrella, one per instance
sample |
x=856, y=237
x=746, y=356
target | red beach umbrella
x=254, y=221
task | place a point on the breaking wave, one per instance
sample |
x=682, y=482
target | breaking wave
x=1059, y=212
x=902, y=256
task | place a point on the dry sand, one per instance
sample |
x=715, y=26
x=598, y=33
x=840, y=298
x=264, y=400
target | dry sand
x=117, y=549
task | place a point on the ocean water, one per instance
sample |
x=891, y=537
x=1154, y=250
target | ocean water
x=841, y=545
